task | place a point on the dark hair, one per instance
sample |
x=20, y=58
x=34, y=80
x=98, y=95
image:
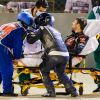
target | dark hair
x=42, y=3
x=82, y=21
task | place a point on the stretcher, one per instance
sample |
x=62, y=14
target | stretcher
x=36, y=79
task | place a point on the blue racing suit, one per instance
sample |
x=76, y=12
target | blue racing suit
x=11, y=41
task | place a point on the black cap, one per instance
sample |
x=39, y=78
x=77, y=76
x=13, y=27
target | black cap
x=42, y=3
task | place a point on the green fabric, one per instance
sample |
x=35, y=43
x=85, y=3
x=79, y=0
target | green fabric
x=98, y=11
x=97, y=57
x=91, y=15
x=98, y=85
x=23, y=77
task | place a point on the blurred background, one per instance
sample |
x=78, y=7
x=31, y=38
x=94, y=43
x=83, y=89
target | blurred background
x=17, y=5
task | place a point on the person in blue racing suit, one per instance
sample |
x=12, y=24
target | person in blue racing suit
x=11, y=42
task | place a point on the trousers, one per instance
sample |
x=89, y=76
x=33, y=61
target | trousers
x=6, y=69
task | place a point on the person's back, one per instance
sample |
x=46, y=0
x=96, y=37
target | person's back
x=57, y=43
x=11, y=34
